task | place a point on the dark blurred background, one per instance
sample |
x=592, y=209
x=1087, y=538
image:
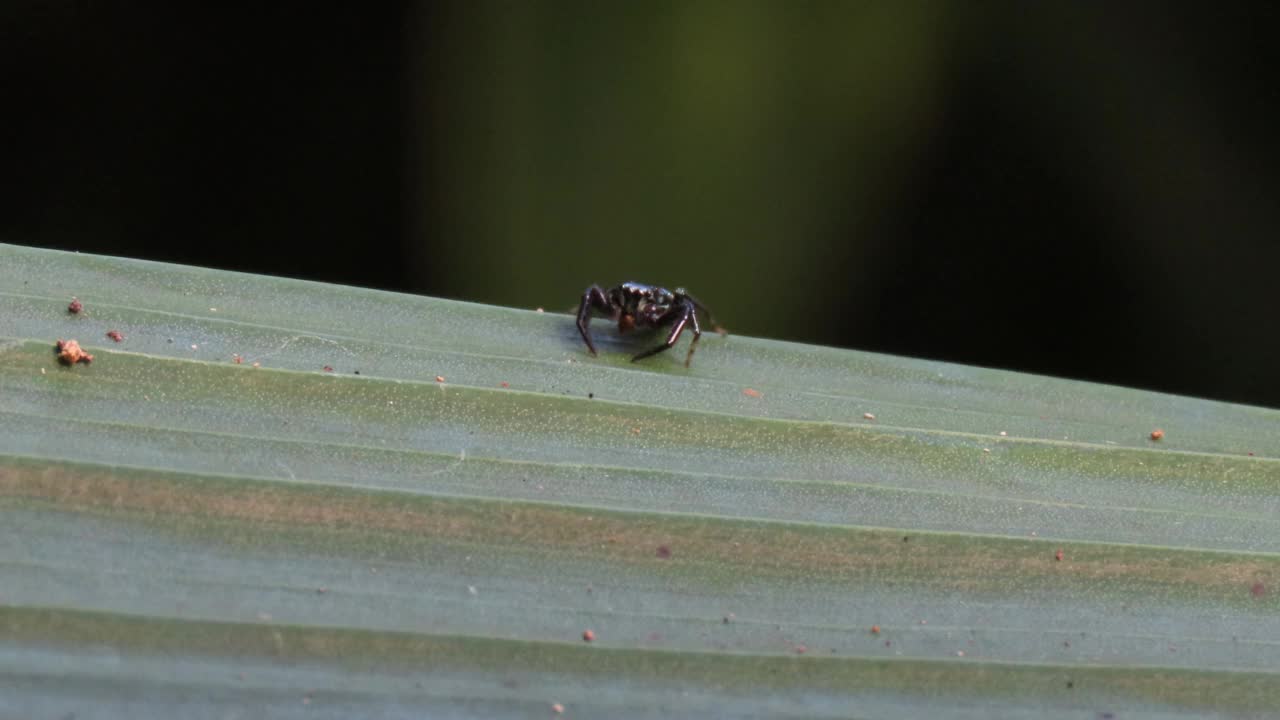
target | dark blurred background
x=1078, y=189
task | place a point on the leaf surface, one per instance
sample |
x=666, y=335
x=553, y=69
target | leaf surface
x=206, y=517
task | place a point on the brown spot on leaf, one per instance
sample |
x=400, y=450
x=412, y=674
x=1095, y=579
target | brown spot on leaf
x=70, y=353
x=664, y=552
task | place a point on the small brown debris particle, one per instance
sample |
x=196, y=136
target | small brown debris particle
x=1250, y=454
x=1157, y=434
x=439, y=378
x=635, y=431
x=749, y=392
x=1058, y=555
x=328, y=368
x=868, y=416
x=729, y=618
x=321, y=591
x=591, y=396
x=1258, y=590
x=557, y=708
x=504, y=384
x=237, y=359
x=800, y=649
x=875, y=629
x=115, y=335
x=69, y=353
x=75, y=307
x=664, y=552
x=888, y=643
x=588, y=635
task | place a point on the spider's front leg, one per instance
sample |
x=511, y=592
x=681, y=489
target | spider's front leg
x=593, y=299
x=685, y=314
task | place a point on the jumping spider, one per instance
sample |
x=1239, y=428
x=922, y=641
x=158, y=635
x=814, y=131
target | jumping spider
x=634, y=305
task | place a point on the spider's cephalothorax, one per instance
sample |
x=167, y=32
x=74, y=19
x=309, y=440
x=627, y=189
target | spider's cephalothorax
x=634, y=304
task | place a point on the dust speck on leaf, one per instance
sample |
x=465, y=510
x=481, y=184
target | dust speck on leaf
x=504, y=384
x=753, y=393
x=868, y=416
x=70, y=353
x=557, y=708
x=115, y=335
x=328, y=368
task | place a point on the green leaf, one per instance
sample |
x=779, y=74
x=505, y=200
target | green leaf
x=429, y=526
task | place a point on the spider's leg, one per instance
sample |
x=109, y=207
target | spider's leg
x=683, y=313
x=593, y=298
x=697, y=332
